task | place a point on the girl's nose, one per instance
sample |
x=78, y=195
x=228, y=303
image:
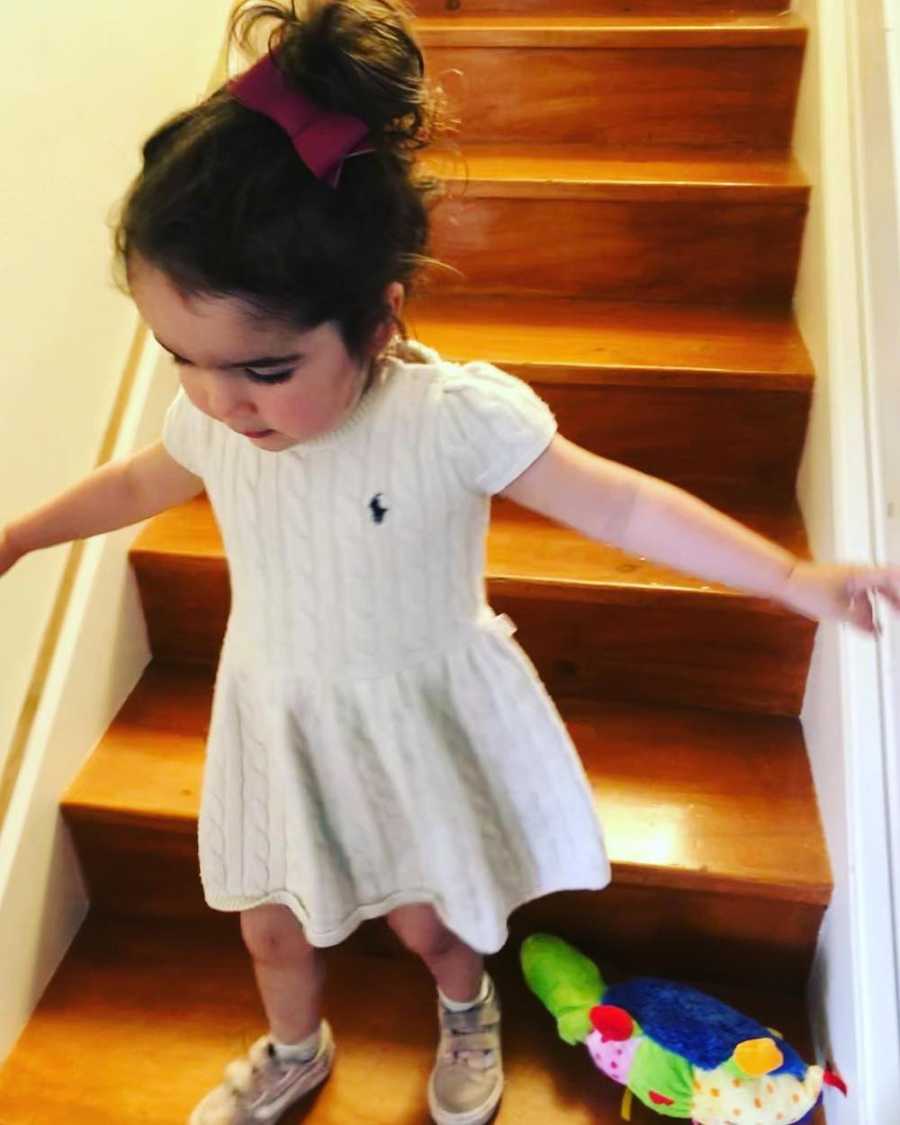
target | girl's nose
x=226, y=395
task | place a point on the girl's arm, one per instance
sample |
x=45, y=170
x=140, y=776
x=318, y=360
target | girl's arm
x=115, y=495
x=646, y=516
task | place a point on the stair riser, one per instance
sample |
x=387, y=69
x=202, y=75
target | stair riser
x=598, y=7
x=630, y=251
x=686, y=934
x=144, y=873
x=621, y=99
x=692, y=650
x=722, y=445
x=628, y=643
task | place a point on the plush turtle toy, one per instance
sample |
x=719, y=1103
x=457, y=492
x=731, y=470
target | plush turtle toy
x=682, y=1053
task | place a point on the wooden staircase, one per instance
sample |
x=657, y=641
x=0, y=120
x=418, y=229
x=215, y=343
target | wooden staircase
x=626, y=219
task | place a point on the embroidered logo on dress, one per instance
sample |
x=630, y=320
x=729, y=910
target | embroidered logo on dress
x=378, y=513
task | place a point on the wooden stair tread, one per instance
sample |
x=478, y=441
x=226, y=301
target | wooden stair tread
x=678, y=789
x=523, y=547
x=543, y=31
x=129, y=1030
x=596, y=342
x=581, y=171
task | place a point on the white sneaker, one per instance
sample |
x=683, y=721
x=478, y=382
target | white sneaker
x=259, y=1088
x=467, y=1081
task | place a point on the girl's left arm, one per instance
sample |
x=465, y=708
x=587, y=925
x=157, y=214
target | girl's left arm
x=646, y=516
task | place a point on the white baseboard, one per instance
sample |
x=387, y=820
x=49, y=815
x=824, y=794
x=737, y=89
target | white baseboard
x=846, y=305
x=101, y=654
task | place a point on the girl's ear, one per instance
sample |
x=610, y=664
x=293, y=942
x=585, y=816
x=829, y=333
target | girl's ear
x=395, y=295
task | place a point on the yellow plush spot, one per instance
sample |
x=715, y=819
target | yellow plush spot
x=738, y=1082
x=757, y=1103
x=714, y=1092
x=757, y=1057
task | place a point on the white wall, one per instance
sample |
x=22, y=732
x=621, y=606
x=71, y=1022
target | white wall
x=83, y=85
x=885, y=412
x=853, y=990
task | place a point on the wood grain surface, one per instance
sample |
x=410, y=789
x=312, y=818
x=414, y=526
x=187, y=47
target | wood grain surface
x=165, y=1009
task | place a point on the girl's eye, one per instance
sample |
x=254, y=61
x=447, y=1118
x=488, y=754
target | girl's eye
x=274, y=377
x=263, y=377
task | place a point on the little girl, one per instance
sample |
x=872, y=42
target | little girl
x=379, y=744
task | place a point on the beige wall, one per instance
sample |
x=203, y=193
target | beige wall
x=84, y=83
x=87, y=83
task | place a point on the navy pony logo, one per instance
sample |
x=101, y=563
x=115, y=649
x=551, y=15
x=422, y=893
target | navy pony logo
x=378, y=512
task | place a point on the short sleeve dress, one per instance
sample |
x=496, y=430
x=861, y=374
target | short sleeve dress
x=377, y=736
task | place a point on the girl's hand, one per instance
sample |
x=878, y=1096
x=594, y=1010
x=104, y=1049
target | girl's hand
x=841, y=593
x=9, y=556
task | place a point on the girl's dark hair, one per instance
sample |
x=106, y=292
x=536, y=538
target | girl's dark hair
x=224, y=206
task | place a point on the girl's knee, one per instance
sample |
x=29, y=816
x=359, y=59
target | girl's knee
x=421, y=930
x=272, y=933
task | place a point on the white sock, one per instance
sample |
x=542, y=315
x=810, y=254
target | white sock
x=457, y=1006
x=303, y=1051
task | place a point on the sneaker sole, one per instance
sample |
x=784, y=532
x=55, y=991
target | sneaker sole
x=311, y=1080
x=479, y=1116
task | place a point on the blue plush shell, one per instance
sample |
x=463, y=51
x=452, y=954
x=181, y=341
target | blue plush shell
x=699, y=1028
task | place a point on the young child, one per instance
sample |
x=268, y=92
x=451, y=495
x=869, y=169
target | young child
x=379, y=744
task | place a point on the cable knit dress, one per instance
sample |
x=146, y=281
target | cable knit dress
x=377, y=736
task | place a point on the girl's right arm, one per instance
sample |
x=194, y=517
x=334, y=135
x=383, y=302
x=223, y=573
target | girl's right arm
x=117, y=494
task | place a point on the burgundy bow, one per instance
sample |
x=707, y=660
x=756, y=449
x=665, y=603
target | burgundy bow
x=323, y=139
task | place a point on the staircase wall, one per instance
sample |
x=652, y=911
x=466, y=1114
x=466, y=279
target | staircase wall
x=72, y=640
x=843, y=141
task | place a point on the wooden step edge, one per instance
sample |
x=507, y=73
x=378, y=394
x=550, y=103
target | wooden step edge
x=81, y=810
x=188, y=533
x=200, y=551
x=674, y=878
x=619, y=592
x=532, y=186
x=612, y=32
x=655, y=375
x=607, y=343
x=665, y=376
x=623, y=593
x=492, y=172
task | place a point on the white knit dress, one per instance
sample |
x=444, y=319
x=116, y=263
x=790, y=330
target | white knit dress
x=377, y=736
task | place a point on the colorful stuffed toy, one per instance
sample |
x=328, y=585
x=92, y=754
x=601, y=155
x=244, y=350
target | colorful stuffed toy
x=682, y=1053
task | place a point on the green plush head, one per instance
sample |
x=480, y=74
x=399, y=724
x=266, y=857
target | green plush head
x=566, y=982
x=657, y=1071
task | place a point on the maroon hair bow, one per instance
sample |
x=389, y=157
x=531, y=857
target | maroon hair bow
x=323, y=139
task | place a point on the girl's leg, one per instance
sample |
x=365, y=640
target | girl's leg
x=466, y=1082
x=456, y=967
x=289, y=971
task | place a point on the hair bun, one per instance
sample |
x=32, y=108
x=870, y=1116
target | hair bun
x=358, y=57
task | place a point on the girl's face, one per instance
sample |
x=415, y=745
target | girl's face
x=262, y=379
